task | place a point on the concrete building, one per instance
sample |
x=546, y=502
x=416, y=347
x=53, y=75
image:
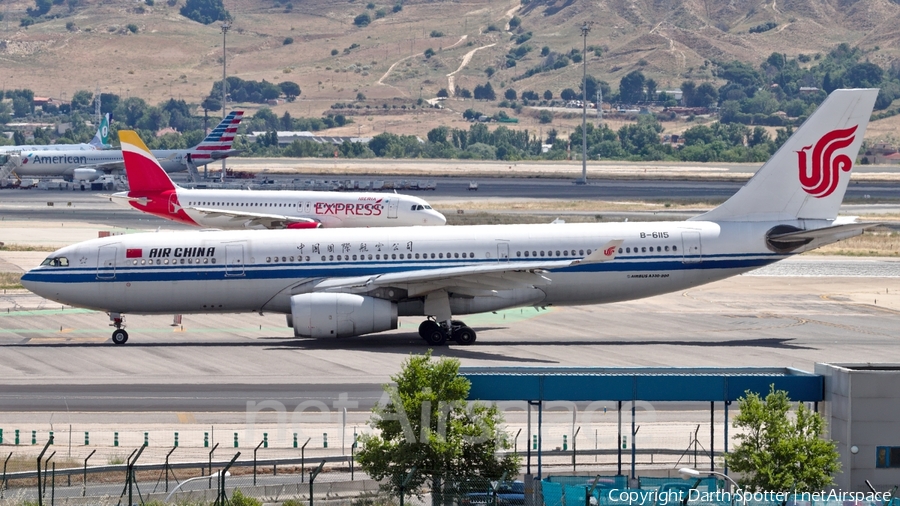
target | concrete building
x=862, y=409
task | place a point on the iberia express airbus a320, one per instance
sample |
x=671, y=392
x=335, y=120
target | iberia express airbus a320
x=152, y=191
x=349, y=282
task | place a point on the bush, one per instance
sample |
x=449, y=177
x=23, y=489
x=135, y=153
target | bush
x=370, y=6
x=363, y=20
x=545, y=117
x=436, y=33
x=765, y=27
x=429, y=53
x=205, y=11
x=334, y=52
x=397, y=7
x=133, y=28
x=288, y=40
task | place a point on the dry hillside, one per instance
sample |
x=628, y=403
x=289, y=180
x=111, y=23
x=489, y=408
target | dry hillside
x=89, y=46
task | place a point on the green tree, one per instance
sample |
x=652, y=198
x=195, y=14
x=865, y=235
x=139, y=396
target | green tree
x=429, y=426
x=631, y=87
x=362, y=20
x=81, y=100
x=777, y=453
x=205, y=11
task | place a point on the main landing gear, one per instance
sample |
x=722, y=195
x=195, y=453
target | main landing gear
x=119, y=336
x=437, y=334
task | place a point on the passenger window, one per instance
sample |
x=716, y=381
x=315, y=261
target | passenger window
x=627, y=250
x=581, y=252
x=456, y=255
x=527, y=254
x=674, y=248
x=643, y=249
x=588, y=252
x=667, y=248
x=393, y=256
x=620, y=251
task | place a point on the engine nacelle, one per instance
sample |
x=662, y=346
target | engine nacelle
x=340, y=315
x=304, y=224
x=86, y=174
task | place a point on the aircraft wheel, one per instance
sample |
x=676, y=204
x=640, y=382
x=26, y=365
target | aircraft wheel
x=465, y=336
x=427, y=327
x=119, y=336
x=436, y=338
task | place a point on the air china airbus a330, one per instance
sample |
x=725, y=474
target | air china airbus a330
x=152, y=191
x=349, y=282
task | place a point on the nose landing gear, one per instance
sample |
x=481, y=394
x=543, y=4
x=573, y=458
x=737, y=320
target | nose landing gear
x=119, y=336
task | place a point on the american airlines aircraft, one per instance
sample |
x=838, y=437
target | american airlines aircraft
x=90, y=165
x=349, y=282
x=152, y=191
x=100, y=141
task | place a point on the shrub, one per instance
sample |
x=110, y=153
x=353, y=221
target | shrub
x=133, y=28
x=437, y=33
x=288, y=40
x=429, y=53
x=363, y=20
x=334, y=52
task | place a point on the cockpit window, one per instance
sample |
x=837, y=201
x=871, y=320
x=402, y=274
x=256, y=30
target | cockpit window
x=418, y=207
x=56, y=262
x=427, y=207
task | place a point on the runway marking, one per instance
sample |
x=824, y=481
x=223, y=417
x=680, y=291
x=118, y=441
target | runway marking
x=186, y=418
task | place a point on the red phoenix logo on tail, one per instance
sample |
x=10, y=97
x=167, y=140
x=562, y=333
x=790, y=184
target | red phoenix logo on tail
x=822, y=178
x=609, y=251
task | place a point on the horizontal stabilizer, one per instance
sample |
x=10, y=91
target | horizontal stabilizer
x=798, y=241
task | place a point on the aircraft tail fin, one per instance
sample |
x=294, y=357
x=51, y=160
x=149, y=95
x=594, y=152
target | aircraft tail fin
x=807, y=177
x=101, y=138
x=217, y=144
x=145, y=174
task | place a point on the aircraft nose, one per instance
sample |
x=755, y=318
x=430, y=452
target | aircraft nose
x=438, y=219
x=29, y=282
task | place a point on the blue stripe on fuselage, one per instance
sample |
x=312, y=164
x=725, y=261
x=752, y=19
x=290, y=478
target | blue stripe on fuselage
x=352, y=269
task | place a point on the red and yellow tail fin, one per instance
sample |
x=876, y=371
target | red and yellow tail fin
x=145, y=174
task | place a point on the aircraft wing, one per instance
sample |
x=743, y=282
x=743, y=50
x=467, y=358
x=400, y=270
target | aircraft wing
x=472, y=280
x=271, y=221
x=105, y=166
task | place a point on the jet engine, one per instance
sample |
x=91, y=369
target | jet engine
x=86, y=174
x=340, y=315
x=304, y=224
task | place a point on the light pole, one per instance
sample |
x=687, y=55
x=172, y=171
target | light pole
x=225, y=26
x=585, y=28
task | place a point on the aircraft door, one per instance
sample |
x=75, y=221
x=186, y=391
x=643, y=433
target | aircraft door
x=106, y=262
x=691, y=249
x=503, y=251
x=234, y=260
x=392, y=204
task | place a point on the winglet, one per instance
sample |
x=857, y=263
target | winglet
x=604, y=253
x=145, y=174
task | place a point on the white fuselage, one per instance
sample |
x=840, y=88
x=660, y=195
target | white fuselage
x=205, y=272
x=331, y=209
x=64, y=163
